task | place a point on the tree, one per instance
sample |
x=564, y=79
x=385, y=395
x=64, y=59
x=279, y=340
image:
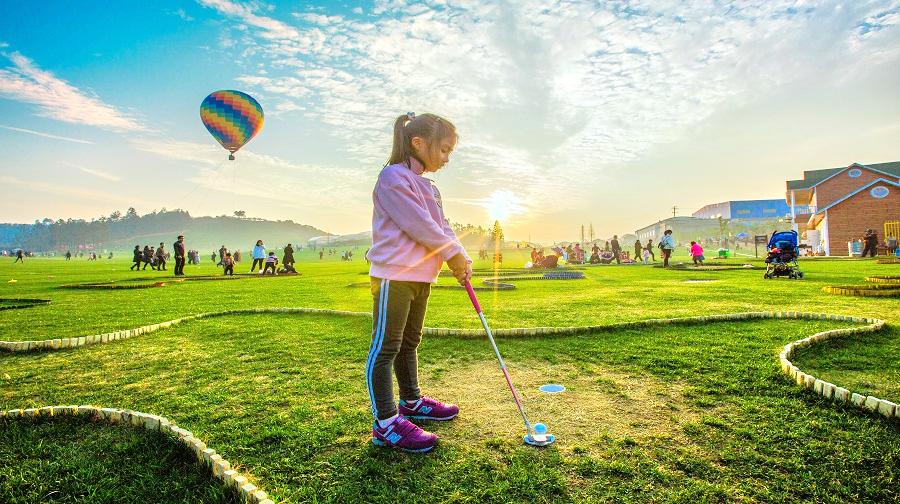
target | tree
x=497, y=235
x=723, y=225
x=240, y=214
x=131, y=213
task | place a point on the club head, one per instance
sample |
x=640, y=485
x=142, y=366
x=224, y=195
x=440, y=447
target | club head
x=539, y=440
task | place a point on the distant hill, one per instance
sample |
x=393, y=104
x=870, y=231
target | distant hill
x=118, y=232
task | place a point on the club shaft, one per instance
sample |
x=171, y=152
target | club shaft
x=512, y=388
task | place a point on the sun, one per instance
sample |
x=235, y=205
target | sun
x=501, y=205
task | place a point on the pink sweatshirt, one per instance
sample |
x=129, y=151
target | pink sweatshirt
x=696, y=250
x=410, y=236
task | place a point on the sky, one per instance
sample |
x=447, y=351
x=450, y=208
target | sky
x=569, y=113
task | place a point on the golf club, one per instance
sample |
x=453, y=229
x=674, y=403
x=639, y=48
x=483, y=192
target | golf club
x=536, y=435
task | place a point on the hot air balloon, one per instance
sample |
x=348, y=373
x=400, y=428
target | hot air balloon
x=232, y=118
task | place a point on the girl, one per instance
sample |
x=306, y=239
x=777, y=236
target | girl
x=259, y=256
x=411, y=240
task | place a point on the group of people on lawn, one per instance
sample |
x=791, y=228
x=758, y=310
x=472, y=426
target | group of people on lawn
x=267, y=262
x=612, y=251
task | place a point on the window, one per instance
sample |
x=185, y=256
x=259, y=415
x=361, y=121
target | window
x=743, y=212
x=879, y=192
x=854, y=173
x=769, y=210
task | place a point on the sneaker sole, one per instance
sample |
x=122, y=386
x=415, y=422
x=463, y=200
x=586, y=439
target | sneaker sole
x=425, y=417
x=378, y=442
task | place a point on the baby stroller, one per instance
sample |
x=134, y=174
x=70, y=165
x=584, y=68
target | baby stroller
x=782, y=257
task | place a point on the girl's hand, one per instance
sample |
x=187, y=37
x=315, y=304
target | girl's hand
x=466, y=276
x=461, y=268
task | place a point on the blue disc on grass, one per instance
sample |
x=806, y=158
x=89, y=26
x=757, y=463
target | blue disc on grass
x=552, y=388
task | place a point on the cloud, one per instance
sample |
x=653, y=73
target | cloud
x=57, y=99
x=93, y=171
x=64, y=190
x=46, y=135
x=182, y=14
x=271, y=29
x=551, y=98
x=305, y=187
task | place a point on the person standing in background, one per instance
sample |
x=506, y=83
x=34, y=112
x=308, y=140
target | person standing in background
x=161, y=257
x=178, y=246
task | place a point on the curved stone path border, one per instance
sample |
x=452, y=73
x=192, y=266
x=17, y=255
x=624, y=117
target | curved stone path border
x=220, y=468
x=119, y=284
x=892, y=260
x=880, y=286
x=708, y=267
x=520, y=271
x=890, y=279
x=24, y=303
x=499, y=282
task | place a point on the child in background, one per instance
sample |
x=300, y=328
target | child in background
x=646, y=256
x=697, y=253
x=411, y=241
x=271, y=262
x=228, y=264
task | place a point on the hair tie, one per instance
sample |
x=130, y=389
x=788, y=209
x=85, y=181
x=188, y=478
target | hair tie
x=411, y=115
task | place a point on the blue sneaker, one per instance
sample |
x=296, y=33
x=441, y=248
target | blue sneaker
x=404, y=435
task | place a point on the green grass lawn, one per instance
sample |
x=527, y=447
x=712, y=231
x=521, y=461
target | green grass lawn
x=679, y=413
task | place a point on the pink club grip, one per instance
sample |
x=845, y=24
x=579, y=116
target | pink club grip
x=472, y=296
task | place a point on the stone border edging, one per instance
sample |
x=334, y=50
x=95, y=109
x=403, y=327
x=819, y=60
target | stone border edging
x=881, y=286
x=27, y=303
x=830, y=390
x=499, y=282
x=163, y=281
x=74, y=342
x=888, y=279
x=221, y=469
x=708, y=267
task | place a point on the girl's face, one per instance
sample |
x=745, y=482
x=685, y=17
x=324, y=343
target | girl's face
x=433, y=159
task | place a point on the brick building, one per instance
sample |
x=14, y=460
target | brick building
x=843, y=202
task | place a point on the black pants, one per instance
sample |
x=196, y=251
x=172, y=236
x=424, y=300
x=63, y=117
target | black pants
x=269, y=266
x=666, y=253
x=19, y=259
x=398, y=315
x=229, y=270
x=145, y=265
x=179, y=265
x=618, y=254
x=870, y=246
x=261, y=263
x=649, y=249
x=137, y=264
x=161, y=264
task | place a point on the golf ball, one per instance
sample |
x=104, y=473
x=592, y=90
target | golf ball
x=540, y=428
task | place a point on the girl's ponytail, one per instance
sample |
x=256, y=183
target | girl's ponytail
x=401, y=150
